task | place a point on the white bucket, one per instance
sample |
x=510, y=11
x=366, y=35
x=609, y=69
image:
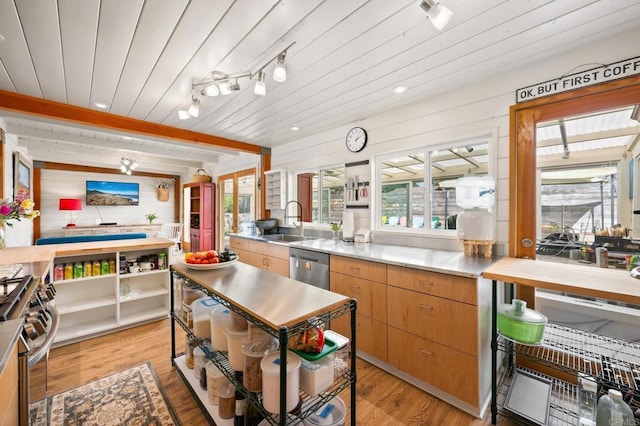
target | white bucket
x=270, y=365
x=333, y=413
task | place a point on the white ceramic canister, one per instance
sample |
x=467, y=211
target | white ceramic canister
x=270, y=365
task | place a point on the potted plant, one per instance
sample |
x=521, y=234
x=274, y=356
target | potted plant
x=163, y=186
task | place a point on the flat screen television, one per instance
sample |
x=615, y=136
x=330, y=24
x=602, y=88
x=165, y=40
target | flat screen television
x=102, y=193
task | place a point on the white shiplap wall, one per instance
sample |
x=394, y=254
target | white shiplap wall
x=473, y=110
x=58, y=184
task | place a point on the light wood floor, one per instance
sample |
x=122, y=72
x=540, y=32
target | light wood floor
x=381, y=398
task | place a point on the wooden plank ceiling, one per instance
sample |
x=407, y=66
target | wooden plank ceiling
x=141, y=57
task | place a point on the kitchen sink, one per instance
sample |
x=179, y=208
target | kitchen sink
x=286, y=237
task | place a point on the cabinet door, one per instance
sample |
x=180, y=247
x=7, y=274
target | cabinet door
x=450, y=323
x=443, y=285
x=371, y=296
x=256, y=259
x=371, y=334
x=206, y=239
x=9, y=409
x=278, y=266
x=373, y=271
x=451, y=371
x=194, y=240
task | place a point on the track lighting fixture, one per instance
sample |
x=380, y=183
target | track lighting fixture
x=127, y=165
x=223, y=84
x=437, y=13
x=280, y=70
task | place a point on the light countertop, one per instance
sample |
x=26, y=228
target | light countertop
x=444, y=261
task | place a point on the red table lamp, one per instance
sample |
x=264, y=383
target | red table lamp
x=71, y=204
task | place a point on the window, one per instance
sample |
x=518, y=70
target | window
x=420, y=194
x=322, y=193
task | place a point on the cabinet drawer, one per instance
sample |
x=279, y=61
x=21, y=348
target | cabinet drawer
x=444, y=321
x=273, y=250
x=359, y=268
x=451, y=371
x=442, y=285
x=278, y=266
x=238, y=244
x=371, y=335
x=243, y=255
x=371, y=296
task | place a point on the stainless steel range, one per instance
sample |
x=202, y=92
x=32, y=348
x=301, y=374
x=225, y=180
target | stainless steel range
x=24, y=297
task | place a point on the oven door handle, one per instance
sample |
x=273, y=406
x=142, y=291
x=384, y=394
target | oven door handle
x=51, y=334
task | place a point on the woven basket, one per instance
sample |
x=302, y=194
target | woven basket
x=163, y=194
x=201, y=176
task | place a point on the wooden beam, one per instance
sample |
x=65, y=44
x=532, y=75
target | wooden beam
x=90, y=169
x=59, y=111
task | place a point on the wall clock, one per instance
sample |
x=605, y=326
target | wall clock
x=356, y=139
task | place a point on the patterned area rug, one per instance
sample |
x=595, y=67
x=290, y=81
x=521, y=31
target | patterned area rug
x=131, y=397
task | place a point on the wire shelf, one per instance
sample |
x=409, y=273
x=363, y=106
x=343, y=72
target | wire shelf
x=562, y=407
x=612, y=362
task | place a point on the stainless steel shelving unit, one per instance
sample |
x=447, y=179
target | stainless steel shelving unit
x=308, y=404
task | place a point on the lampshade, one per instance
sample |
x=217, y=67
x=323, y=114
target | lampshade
x=280, y=70
x=438, y=14
x=70, y=204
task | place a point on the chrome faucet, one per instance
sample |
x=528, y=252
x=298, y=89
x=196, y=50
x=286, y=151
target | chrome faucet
x=298, y=216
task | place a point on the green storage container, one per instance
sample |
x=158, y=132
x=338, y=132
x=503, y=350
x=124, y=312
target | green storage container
x=518, y=323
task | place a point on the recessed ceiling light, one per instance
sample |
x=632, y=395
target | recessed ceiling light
x=1, y=37
x=127, y=138
x=101, y=105
x=400, y=89
x=295, y=128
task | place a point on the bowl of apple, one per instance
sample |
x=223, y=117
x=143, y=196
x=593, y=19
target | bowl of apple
x=210, y=259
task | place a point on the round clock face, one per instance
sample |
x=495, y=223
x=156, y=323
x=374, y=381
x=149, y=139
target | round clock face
x=356, y=139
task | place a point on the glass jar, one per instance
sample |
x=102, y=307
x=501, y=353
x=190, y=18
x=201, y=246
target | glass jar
x=162, y=261
x=58, y=272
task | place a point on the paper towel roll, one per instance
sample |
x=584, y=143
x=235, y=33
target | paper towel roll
x=347, y=226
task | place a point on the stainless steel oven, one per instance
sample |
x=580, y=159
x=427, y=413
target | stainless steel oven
x=27, y=298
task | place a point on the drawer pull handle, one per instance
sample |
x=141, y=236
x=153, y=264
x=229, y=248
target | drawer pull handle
x=425, y=352
x=425, y=283
x=425, y=307
x=355, y=287
x=355, y=268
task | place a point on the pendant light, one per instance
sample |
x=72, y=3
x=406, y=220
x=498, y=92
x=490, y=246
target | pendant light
x=438, y=14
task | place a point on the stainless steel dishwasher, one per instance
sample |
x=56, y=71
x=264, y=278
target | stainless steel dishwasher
x=308, y=266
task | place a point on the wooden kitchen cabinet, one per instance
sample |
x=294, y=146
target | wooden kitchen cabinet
x=450, y=323
x=436, y=284
x=364, y=281
x=201, y=216
x=448, y=370
x=9, y=400
x=240, y=246
x=270, y=257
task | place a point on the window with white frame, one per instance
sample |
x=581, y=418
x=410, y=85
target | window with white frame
x=416, y=188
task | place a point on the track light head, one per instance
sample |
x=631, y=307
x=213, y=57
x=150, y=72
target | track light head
x=280, y=70
x=224, y=88
x=211, y=90
x=438, y=14
x=194, y=108
x=183, y=114
x=261, y=85
x=234, y=86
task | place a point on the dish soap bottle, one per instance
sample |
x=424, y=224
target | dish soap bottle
x=612, y=410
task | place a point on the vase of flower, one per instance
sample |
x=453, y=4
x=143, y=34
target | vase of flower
x=150, y=217
x=2, y=235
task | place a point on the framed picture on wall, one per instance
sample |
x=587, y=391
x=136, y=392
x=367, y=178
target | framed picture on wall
x=21, y=175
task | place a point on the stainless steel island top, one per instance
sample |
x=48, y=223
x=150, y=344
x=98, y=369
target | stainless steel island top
x=275, y=300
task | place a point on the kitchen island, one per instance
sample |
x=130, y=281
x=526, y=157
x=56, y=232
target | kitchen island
x=278, y=305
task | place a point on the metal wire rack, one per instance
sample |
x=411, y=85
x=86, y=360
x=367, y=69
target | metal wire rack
x=612, y=362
